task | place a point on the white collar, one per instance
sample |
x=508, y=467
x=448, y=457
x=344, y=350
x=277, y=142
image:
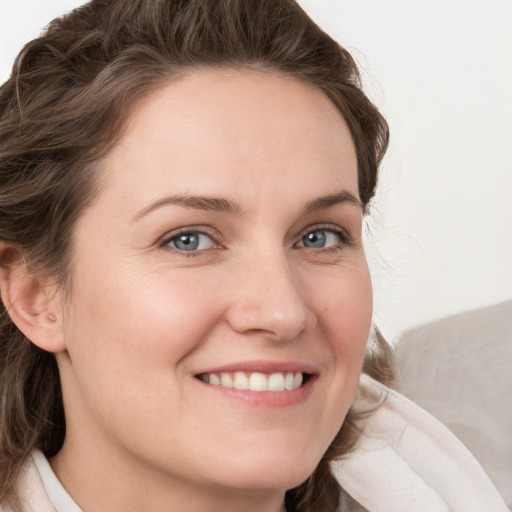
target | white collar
x=60, y=499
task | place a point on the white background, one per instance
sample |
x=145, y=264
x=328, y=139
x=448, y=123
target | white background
x=441, y=71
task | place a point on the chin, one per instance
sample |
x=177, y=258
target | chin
x=282, y=459
x=266, y=474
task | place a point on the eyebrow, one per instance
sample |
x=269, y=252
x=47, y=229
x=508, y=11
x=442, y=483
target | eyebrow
x=219, y=204
x=324, y=202
x=210, y=204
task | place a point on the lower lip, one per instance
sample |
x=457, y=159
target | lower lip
x=269, y=399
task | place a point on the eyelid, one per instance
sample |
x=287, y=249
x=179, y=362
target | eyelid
x=164, y=241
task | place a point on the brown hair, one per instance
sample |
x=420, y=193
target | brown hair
x=65, y=106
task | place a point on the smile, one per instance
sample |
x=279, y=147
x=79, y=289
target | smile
x=255, y=381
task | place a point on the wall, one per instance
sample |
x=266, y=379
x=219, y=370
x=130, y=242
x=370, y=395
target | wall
x=441, y=71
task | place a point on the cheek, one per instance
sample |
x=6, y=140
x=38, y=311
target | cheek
x=347, y=311
x=123, y=320
x=346, y=323
x=127, y=339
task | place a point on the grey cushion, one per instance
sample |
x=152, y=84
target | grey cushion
x=460, y=370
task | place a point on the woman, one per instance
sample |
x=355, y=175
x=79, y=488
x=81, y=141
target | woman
x=188, y=301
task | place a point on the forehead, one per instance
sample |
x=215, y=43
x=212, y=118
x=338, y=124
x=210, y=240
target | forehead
x=224, y=128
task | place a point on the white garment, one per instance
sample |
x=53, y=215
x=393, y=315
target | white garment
x=60, y=499
x=404, y=461
x=407, y=461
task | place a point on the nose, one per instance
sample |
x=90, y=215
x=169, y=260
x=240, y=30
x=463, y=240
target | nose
x=269, y=299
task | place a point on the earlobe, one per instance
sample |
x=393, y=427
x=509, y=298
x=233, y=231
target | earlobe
x=30, y=302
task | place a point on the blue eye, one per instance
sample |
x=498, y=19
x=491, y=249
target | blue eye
x=191, y=242
x=320, y=238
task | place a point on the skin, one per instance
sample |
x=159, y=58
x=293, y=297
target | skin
x=143, y=433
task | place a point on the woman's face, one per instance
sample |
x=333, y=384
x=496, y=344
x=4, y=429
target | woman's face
x=224, y=249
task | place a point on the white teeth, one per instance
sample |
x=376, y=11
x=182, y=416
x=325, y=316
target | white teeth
x=214, y=379
x=225, y=380
x=258, y=382
x=255, y=381
x=289, y=381
x=276, y=382
x=241, y=381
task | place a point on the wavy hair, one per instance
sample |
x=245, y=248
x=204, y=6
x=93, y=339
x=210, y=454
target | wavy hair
x=65, y=106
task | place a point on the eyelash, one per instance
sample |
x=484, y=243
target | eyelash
x=345, y=239
x=190, y=230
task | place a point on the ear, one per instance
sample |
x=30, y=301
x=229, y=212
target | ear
x=31, y=303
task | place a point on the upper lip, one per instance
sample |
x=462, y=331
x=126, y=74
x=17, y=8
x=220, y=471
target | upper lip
x=260, y=366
